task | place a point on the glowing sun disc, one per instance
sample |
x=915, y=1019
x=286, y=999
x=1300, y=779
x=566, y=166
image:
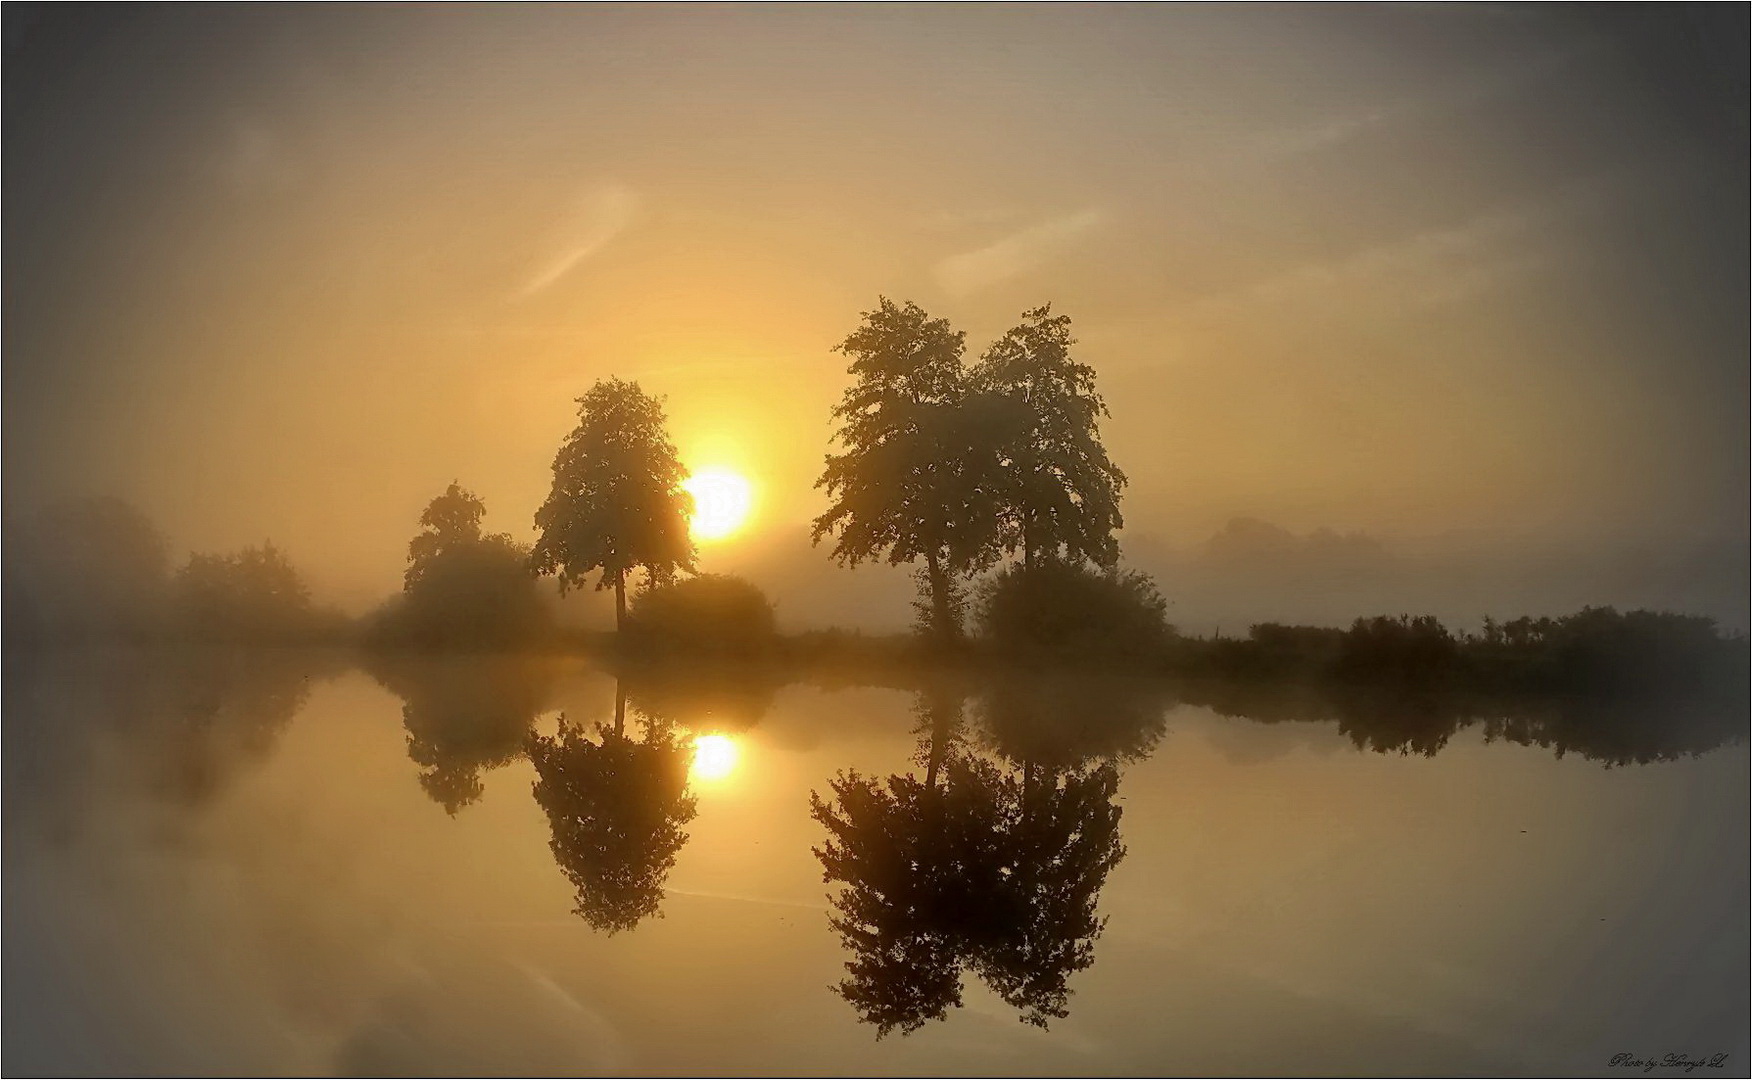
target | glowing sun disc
x=714, y=757
x=722, y=499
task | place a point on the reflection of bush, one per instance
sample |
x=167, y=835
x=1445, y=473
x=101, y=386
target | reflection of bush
x=702, y=693
x=710, y=613
x=1060, y=613
x=1063, y=720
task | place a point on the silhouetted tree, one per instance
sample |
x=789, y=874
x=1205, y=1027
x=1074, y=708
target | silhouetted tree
x=616, y=807
x=917, y=476
x=1060, y=491
x=463, y=588
x=617, y=504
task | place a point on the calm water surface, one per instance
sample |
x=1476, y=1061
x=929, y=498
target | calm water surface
x=280, y=864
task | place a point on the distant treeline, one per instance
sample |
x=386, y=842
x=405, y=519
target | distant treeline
x=99, y=571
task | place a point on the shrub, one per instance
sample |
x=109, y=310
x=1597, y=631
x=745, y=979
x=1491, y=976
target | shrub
x=708, y=613
x=1071, y=614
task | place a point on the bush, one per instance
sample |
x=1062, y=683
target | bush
x=475, y=594
x=1071, y=614
x=709, y=613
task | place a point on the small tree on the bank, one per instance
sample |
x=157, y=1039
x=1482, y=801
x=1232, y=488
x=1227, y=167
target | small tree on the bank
x=617, y=504
x=914, y=481
x=463, y=587
x=1060, y=491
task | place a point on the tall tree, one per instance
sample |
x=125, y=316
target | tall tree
x=911, y=482
x=1061, y=491
x=617, y=504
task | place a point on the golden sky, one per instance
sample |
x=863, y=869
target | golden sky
x=1410, y=271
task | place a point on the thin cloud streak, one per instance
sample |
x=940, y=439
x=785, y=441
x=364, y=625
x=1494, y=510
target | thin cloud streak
x=603, y=213
x=1015, y=254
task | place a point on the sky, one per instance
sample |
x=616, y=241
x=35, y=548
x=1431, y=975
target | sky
x=1470, y=281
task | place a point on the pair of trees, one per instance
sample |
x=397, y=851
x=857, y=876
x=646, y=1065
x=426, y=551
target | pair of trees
x=959, y=466
x=977, y=868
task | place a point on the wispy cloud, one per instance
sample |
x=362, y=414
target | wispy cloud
x=1015, y=254
x=601, y=214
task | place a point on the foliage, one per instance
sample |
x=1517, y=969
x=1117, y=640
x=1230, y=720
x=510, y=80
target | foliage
x=1069, y=719
x=1059, y=490
x=1056, y=612
x=709, y=613
x=1404, y=649
x=1619, y=688
x=92, y=568
x=617, y=503
x=616, y=806
x=916, y=478
x=991, y=871
x=463, y=718
x=253, y=595
x=462, y=588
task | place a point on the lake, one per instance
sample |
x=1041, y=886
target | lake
x=285, y=864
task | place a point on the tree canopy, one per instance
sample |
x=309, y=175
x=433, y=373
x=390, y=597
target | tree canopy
x=1059, y=490
x=974, y=868
x=617, y=504
x=617, y=807
x=913, y=480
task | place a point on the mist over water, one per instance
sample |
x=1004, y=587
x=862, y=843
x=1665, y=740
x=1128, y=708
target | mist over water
x=965, y=541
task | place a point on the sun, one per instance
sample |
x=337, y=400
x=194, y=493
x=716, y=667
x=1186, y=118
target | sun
x=714, y=757
x=722, y=500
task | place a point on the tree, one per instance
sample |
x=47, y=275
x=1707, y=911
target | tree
x=1061, y=492
x=617, y=807
x=463, y=587
x=254, y=594
x=85, y=568
x=914, y=480
x=617, y=503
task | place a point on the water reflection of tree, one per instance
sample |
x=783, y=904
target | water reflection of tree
x=93, y=731
x=616, y=806
x=464, y=717
x=1423, y=720
x=985, y=867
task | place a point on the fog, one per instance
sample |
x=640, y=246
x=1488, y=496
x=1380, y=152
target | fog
x=1434, y=310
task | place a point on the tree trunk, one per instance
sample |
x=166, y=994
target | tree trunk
x=942, y=724
x=620, y=602
x=620, y=707
x=944, y=626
